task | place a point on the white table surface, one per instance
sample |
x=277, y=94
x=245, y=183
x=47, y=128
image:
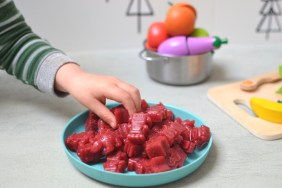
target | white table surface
x=31, y=123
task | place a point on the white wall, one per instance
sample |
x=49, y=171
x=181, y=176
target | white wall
x=103, y=24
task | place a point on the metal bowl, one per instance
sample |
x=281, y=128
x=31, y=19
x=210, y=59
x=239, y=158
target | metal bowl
x=177, y=70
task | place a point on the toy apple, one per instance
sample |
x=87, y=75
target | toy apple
x=180, y=19
x=156, y=34
x=199, y=32
x=148, y=47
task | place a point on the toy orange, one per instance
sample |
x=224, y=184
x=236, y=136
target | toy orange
x=180, y=19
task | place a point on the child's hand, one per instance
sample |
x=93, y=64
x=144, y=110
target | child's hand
x=93, y=90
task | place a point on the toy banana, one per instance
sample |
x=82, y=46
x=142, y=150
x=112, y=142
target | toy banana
x=267, y=110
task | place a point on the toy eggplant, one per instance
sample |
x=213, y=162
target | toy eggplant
x=183, y=45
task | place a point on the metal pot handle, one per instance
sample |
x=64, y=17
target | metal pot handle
x=150, y=58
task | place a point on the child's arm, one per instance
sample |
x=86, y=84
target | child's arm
x=24, y=54
x=35, y=62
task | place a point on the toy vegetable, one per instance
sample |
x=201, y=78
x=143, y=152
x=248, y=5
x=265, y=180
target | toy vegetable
x=182, y=45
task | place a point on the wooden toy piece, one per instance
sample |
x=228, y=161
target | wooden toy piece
x=230, y=97
x=254, y=83
x=267, y=109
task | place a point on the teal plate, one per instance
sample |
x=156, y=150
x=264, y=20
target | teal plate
x=131, y=179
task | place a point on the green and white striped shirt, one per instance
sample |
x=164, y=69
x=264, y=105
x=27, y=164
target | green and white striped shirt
x=24, y=54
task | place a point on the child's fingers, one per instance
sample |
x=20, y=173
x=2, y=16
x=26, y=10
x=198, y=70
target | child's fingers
x=102, y=111
x=120, y=95
x=134, y=93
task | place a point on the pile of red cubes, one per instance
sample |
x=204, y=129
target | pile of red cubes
x=150, y=141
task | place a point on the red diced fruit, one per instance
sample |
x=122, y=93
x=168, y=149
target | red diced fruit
x=178, y=120
x=135, y=164
x=102, y=125
x=157, y=112
x=155, y=116
x=124, y=130
x=132, y=150
x=176, y=157
x=157, y=146
x=73, y=140
x=170, y=115
x=188, y=146
x=200, y=135
x=91, y=122
x=110, y=140
x=116, y=162
x=121, y=114
x=188, y=123
x=86, y=153
x=144, y=105
x=150, y=141
x=172, y=131
x=140, y=123
x=153, y=165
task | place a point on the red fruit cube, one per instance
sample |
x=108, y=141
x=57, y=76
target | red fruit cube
x=157, y=146
x=173, y=132
x=139, y=128
x=110, y=140
x=178, y=120
x=91, y=122
x=121, y=114
x=115, y=165
x=188, y=146
x=142, y=118
x=155, y=165
x=123, y=130
x=97, y=146
x=200, y=135
x=86, y=154
x=135, y=164
x=116, y=162
x=170, y=115
x=155, y=116
x=132, y=150
x=146, y=166
x=188, y=123
x=204, y=133
x=144, y=105
x=176, y=157
x=102, y=125
x=157, y=112
x=74, y=139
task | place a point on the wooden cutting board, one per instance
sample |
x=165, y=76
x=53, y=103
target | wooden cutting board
x=227, y=97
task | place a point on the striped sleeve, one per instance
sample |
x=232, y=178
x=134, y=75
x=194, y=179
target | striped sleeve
x=24, y=54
